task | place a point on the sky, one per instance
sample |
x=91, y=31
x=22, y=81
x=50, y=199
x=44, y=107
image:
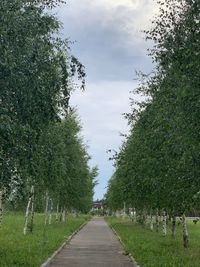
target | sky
x=107, y=38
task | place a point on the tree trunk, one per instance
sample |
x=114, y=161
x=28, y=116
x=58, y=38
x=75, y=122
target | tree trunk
x=185, y=232
x=46, y=207
x=134, y=215
x=27, y=211
x=124, y=211
x=173, y=228
x=32, y=209
x=164, y=224
x=144, y=217
x=51, y=209
x=157, y=221
x=1, y=206
x=151, y=223
x=64, y=215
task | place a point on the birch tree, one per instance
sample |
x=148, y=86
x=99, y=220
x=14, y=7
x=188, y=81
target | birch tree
x=36, y=82
x=161, y=153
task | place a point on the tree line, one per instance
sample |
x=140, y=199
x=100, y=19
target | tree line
x=43, y=159
x=158, y=167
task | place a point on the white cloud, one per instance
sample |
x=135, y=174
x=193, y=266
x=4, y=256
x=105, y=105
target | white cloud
x=103, y=104
x=116, y=3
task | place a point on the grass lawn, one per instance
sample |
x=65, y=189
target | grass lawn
x=152, y=249
x=17, y=250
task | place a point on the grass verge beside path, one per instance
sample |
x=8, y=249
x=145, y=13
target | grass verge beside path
x=151, y=249
x=17, y=250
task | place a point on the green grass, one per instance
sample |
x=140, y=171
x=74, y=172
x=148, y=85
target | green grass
x=17, y=250
x=151, y=249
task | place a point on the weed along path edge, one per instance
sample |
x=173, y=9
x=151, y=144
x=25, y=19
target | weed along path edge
x=94, y=245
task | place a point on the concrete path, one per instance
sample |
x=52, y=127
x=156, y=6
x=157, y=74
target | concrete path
x=95, y=245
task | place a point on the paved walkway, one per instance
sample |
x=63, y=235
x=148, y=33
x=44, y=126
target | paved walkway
x=95, y=245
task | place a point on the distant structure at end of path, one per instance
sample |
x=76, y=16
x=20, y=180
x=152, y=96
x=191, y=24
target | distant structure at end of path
x=97, y=205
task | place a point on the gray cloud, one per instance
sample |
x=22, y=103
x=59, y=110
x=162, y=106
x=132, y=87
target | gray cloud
x=109, y=40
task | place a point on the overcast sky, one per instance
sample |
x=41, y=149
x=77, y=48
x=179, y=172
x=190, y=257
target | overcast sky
x=108, y=40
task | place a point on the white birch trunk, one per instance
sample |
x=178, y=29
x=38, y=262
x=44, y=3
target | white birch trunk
x=46, y=207
x=27, y=211
x=157, y=221
x=173, y=227
x=124, y=211
x=64, y=215
x=185, y=232
x=164, y=224
x=50, y=213
x=151, y=223
x=134, y=216
x=32, y=208
x=144, y=217
x=1, y=206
